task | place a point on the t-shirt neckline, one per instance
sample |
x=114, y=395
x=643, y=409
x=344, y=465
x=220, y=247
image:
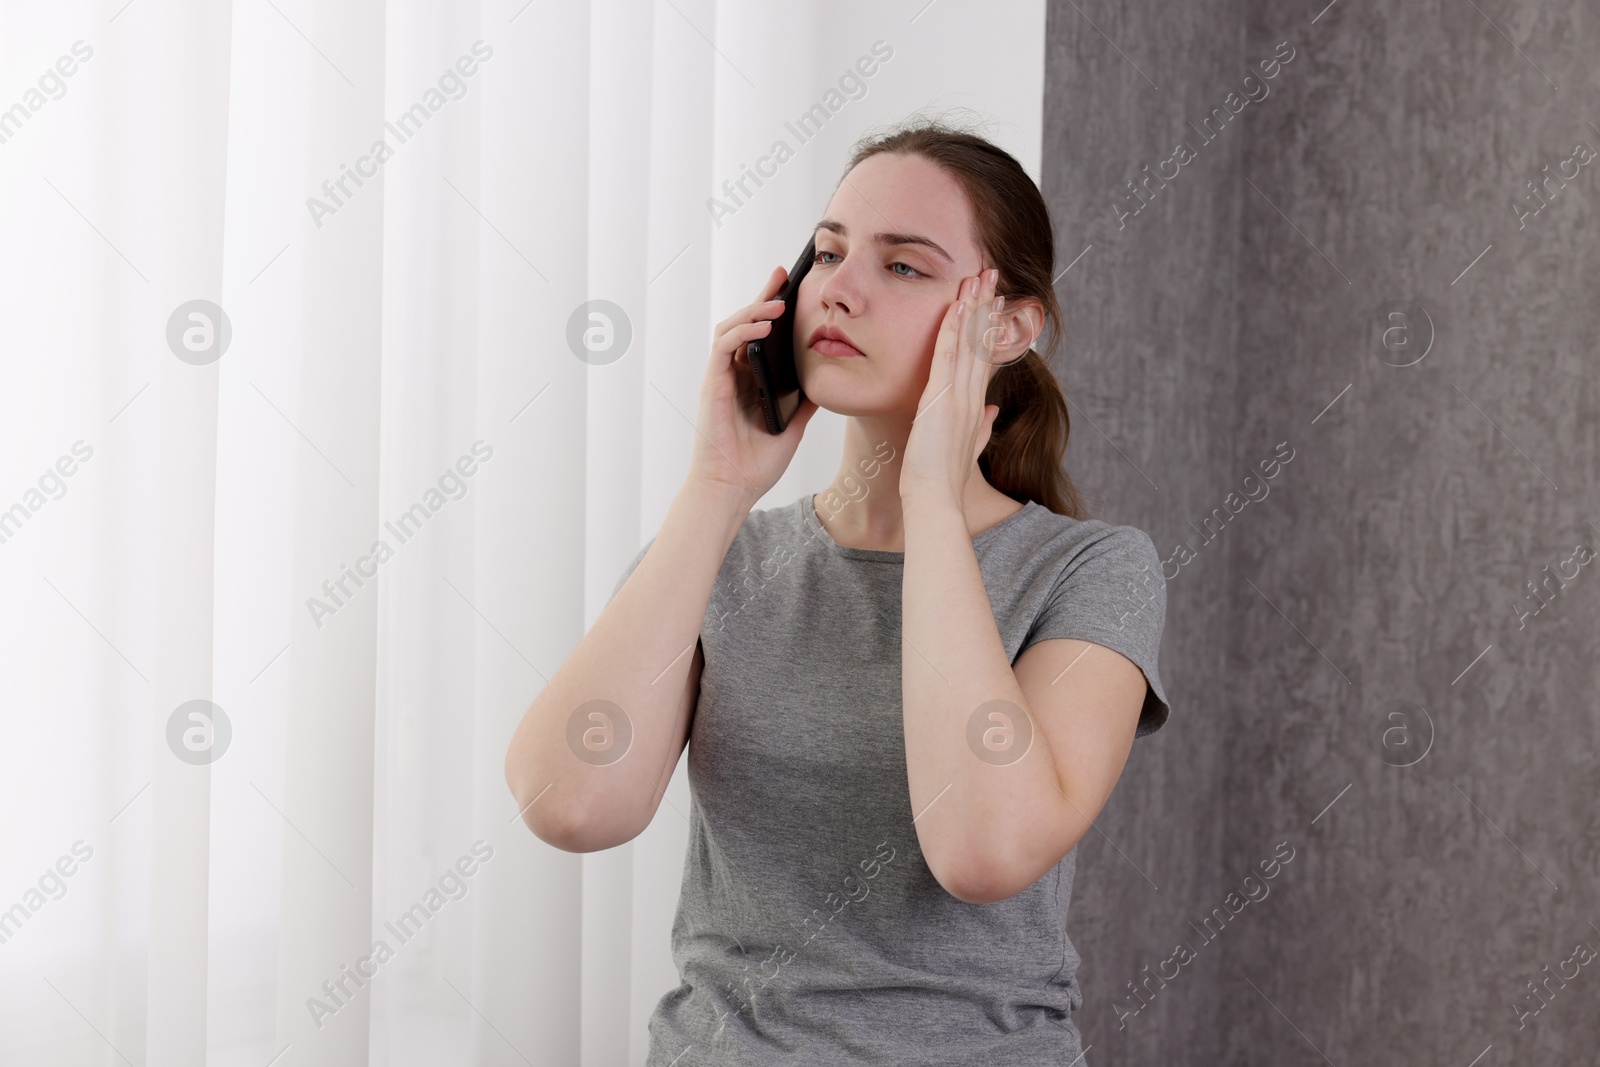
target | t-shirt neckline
x=813, y=524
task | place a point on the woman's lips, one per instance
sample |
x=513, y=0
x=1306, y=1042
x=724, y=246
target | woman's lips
x=831, y=347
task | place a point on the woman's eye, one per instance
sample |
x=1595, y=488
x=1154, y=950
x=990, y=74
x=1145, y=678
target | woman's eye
x=915, y=273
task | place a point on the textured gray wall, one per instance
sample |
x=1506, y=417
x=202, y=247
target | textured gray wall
x=1349, y=667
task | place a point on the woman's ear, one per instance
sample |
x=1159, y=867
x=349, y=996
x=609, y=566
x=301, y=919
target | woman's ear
x=1012, y=331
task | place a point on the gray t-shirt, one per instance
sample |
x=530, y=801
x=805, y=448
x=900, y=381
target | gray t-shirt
x=809, y=928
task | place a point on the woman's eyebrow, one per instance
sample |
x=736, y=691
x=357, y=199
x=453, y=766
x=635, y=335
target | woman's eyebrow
x=835, y=226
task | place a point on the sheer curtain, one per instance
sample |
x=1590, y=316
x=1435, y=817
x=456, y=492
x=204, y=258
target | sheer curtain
x=318, y=461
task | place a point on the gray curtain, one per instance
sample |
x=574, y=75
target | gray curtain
x=1338, y=357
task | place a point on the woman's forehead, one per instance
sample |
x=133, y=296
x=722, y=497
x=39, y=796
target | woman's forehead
x=900, y=196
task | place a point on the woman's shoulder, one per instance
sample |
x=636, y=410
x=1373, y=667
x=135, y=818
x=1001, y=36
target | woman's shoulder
x=772, y=523
x=765, y=534
x=1065, y=538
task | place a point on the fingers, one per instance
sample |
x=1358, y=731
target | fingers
x=981, y=327
x=964, y=349
x=753, y=316
x=761, y=309
x=750, y=322
x=733, y=342
x=948, y=343
x=775, y=282
x=767, y=304
x=767, y=296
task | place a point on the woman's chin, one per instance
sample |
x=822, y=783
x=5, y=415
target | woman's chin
x=845, y=390
x=842, y=400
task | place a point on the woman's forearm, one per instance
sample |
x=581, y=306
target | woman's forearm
x=637, y=655
x=957, y=683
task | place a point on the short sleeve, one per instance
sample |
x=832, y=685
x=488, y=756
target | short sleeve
x=1113, y=594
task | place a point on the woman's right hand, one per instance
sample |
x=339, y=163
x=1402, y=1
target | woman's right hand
x=732, y=448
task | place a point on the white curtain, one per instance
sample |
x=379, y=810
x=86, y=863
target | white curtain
x=251, y=793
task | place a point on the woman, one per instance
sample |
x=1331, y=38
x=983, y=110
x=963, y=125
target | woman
x=910, y=694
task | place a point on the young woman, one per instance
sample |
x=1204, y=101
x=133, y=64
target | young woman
x=909, y=695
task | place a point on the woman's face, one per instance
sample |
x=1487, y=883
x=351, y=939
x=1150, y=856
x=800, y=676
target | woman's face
x=891, y=253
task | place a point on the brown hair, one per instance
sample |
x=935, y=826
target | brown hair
x=1023, y=458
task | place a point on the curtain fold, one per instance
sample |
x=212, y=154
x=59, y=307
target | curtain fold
x=193, y=99
x=326, y=928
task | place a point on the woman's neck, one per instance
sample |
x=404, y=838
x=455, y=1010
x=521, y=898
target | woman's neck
x=860, y=508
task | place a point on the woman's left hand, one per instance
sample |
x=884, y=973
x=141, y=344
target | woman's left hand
x=953, y=423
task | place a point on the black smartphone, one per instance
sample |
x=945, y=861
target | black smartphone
x=772, y=357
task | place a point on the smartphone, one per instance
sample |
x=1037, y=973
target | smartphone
x=772, y=357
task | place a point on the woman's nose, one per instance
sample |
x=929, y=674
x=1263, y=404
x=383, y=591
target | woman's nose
x=842, y=287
